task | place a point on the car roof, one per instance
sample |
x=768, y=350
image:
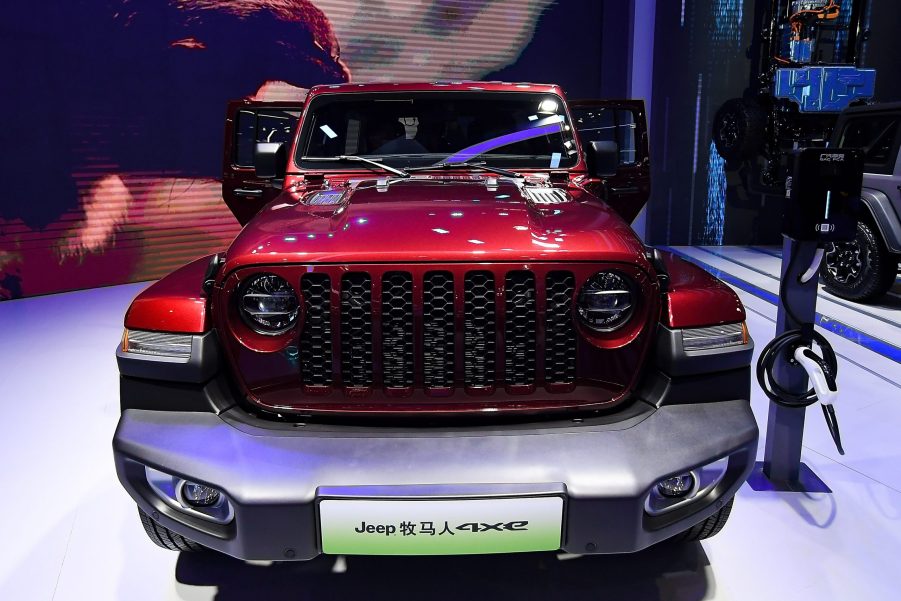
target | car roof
x=455, y=86
x=874, y=108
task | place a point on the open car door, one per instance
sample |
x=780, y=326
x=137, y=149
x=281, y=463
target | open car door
x=623, y=122
x=248, y=122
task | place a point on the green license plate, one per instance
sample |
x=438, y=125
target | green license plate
x=440, y=526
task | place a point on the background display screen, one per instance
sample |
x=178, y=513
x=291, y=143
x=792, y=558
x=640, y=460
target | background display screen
x=113, y=117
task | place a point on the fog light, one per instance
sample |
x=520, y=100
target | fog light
x=199, y=495
x=677, y=491
x=194, y=499
x=677, y=486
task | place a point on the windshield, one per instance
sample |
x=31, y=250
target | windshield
x=416, y=129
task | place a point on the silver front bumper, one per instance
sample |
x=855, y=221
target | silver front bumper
x=274, y=474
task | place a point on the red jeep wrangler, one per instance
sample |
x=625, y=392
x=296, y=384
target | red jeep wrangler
x=436, y=334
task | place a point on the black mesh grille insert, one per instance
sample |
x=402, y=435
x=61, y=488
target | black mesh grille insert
x=316, y=337
x=356, y=329
x=387, y=345
x=397, y=329
x=560, y=335
x=438, y=329
x=519, y=328
x=479, y=328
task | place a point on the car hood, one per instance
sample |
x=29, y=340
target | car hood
x=435, y=219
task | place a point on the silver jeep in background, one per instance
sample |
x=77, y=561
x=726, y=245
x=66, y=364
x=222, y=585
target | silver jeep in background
x=866, y=269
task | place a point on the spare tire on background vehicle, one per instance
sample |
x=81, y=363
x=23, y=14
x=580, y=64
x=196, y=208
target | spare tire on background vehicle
x=861, y=270
x=738, y=129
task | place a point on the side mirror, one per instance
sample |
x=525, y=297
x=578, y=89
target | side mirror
x=602, y=158
x=270, y=160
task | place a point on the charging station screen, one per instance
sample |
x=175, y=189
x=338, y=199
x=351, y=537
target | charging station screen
x=825, y=195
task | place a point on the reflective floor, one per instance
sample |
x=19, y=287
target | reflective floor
x=70, y=532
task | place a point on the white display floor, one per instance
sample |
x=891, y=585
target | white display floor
x=70, y=532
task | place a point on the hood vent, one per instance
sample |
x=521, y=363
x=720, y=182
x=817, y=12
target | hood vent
x=546, y=196
x=326, y=197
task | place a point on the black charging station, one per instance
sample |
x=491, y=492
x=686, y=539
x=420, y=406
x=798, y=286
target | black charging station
x=822, y=205
x=823, y=195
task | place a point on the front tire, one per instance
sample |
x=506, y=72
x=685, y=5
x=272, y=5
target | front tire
x=709, y=527
x=165, y=538
x=861, y=270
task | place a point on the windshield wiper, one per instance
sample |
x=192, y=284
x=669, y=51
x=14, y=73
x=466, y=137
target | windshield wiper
x=352, y=158
x=481, y=166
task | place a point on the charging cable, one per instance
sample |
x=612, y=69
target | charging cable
x=814, y=268
x=822, y=376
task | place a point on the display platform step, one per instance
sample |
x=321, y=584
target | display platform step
x=807, y=481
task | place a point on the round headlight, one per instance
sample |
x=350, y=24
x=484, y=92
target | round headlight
x=268, y=304
x=606, y=301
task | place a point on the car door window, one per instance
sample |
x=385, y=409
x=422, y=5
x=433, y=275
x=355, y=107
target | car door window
x=878, y=137
x=609, y=125
x=261, y=125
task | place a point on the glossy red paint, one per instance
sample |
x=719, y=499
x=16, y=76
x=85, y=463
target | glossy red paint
x=457, y=222
x=267, y=368
x=436, y=219
x=175, y=303
x=696, y=298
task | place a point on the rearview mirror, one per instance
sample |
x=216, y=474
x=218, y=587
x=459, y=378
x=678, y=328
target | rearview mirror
x=270, y=160
x=603, y=158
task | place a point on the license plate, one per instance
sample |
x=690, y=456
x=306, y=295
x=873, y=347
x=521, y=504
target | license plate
x=440, y=526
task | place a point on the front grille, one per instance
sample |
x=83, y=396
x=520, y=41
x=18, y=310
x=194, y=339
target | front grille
x=356, y=329
x=438, y=329
x=401, y=329
x=478, y=329
x=560, y=335
x=519, y=328
x=397, y=329
x=316, y=337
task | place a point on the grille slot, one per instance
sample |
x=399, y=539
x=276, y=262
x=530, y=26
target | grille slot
x=397, y=329
x=356, y=329
x=316, y=337
x=438, y=329
x=560, y=334
x=479, y=332
x=519, y=328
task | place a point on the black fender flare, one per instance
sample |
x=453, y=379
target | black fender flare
x=884, y=217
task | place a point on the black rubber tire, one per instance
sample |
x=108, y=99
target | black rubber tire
x=708, y=527
x=164, y=537
x=739, y=127
x=877, y=267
